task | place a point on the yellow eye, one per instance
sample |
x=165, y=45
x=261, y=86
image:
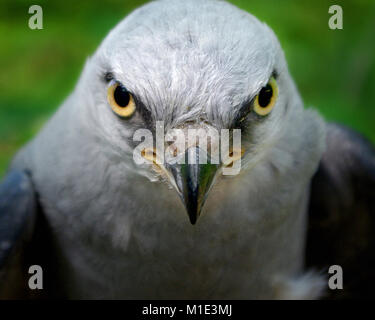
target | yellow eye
x=121, y=100
x=266, y=98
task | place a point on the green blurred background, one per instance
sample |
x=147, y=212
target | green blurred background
x=334, y=69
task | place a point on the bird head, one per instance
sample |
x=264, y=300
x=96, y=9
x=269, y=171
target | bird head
x=175, y=66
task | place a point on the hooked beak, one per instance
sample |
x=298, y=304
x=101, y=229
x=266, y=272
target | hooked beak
x=194, y=180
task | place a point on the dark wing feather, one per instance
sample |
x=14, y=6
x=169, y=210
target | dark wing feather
x=18, y=213
x=342, y=213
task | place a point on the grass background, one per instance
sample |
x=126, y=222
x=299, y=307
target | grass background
x=334, y=69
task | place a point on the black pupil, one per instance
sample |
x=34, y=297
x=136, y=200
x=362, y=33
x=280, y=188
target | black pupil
x=265, y=96
x=121, y=96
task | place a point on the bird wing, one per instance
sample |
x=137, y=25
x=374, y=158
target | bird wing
x=18, y=213
x=341, y=227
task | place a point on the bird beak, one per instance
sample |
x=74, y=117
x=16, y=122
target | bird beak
x=193, y=180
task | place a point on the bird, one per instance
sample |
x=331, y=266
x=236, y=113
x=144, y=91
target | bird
x=101, y=226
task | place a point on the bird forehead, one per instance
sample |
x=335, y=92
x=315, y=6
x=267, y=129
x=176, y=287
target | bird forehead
x=191, y=53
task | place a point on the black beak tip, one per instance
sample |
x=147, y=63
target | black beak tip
x=193, y=214
x=193, y=222
x=193, y=219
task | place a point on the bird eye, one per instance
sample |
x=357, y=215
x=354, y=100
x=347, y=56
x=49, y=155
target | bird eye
x=121, y=100
x=266, y=98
